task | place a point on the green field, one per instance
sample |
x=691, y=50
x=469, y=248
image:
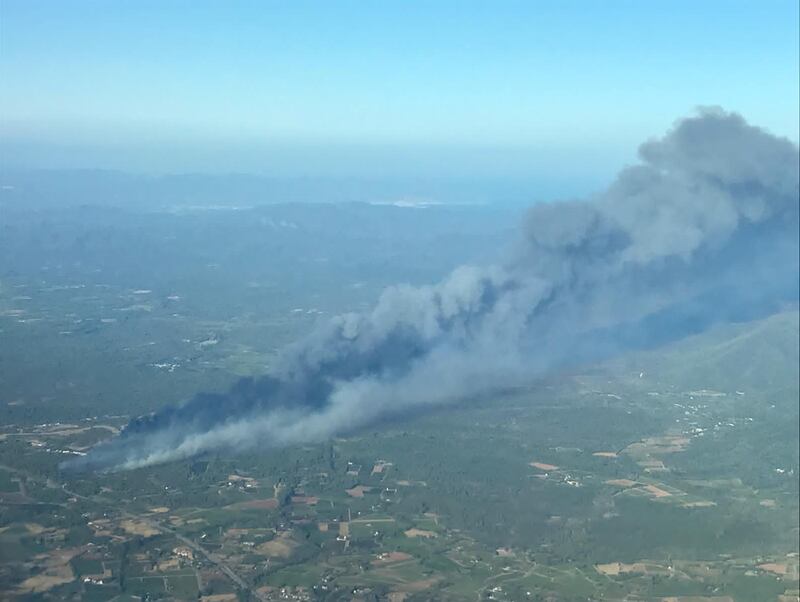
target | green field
x=695, y=491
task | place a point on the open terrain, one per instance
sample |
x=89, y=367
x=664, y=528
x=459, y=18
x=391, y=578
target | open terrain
x=669, y=474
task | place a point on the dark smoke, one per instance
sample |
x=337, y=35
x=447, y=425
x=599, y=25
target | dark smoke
x=704, y=230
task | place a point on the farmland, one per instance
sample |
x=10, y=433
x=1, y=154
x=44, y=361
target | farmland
x=522, y=515
x=669, y=474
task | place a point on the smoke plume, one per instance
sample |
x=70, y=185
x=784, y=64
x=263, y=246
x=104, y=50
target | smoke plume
x=704, y=229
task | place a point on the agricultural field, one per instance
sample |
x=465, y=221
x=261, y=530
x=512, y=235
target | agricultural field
x=645, y=507
x=665, y=475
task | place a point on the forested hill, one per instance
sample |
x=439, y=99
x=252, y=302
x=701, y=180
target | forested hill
x=759, y=357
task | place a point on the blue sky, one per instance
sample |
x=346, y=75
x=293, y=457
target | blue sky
x=559, y=89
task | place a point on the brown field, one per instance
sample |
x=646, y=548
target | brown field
x=543, y=466
x=656, y=492
x=323, y=527
x=47, y=580
x=373, y=520
x=280, y=547
x=621, y=482
x=57, y=572
x=344, y=529
x=604, y=454
x=405, y=483
x=668, y=444
x=266, y=504
x=308, y=500
x=219, y=598
x=774, y=567
x=168, y=565
x=358, y=491
x=391, y=558
x=419, y=586
x=34, y=528
x=137, y=527
x=159, y=510
x=237, y=533
x=644, y=450
x=612, y=569
x=101, y=527
x=414, y=532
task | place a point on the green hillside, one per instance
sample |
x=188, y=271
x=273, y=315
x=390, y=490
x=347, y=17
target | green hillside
x=755, y=357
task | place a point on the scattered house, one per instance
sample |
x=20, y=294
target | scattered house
x=235, y=480
x=183, y=552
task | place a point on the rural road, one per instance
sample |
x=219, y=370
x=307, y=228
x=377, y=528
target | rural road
x=212, y=558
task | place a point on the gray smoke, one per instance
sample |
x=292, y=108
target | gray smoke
x=704, y=230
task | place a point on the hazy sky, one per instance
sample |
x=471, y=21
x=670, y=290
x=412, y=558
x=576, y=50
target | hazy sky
x=557, y=89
